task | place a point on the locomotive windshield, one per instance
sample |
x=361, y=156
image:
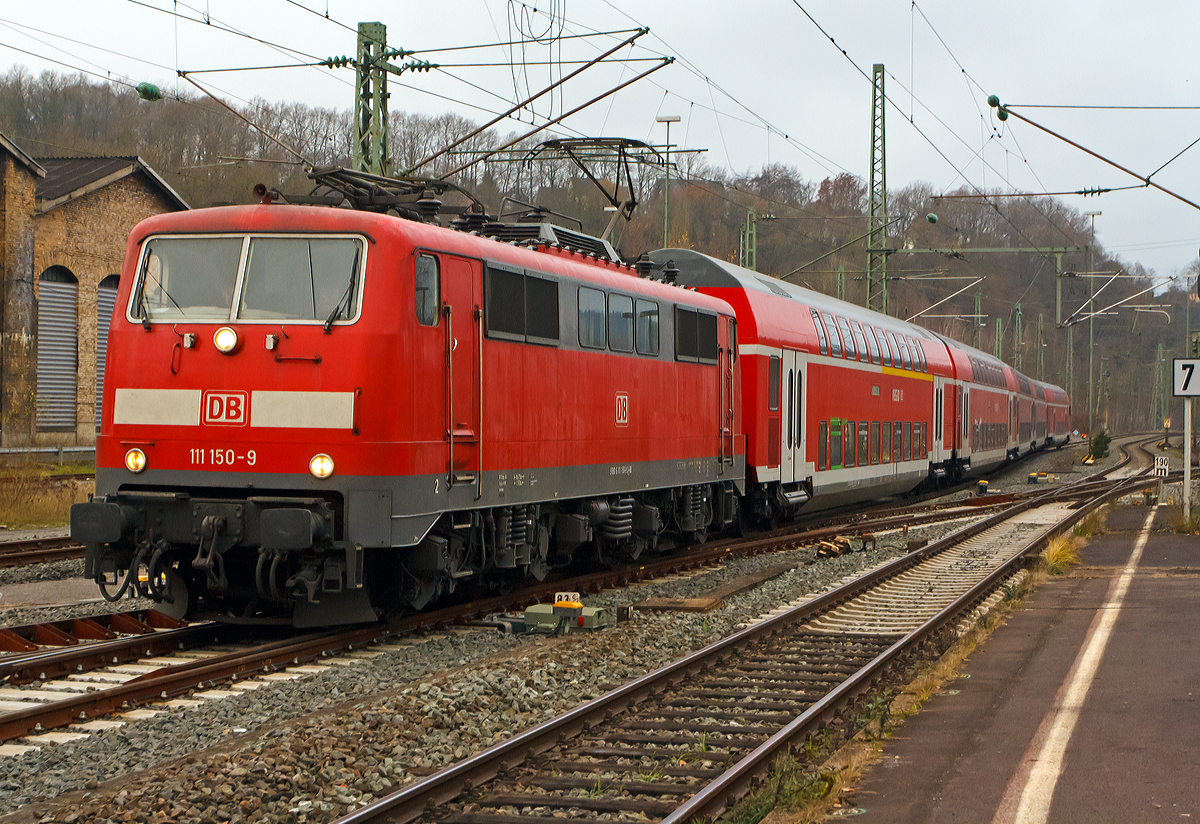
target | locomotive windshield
x=189, y=278
x=249, y=278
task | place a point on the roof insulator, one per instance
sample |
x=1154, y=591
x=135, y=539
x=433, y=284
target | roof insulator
x=670, y=272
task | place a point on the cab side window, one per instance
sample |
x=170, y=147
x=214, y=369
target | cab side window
x=428, y=284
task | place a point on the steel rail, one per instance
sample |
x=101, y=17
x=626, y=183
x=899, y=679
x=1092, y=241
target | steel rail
x=412, y=801
x=48, y=664
x=38, y=551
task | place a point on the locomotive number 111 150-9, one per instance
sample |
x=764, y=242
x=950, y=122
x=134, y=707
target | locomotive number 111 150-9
x=222, y=457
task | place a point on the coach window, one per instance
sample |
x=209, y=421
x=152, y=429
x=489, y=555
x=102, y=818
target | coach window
x=647, y=327
x=620, y=323
x=885, y=453
x=835, y=444
x=835, y=342
x=847, y=339
x=863, y=443
x=822, y=443
x=883, y=347
x=685, y=334
x=897, y=437
x=799, y=405
x=904, y=354
x=591, y=318
x=874, y=445
x=773, y=384
x=908, y=441
x=850, y=435
x=920, y=355
x=871, y=345
x=706, y=337
x=428, y=295
x=860, y=340
x=820, y=332
x=895, y=347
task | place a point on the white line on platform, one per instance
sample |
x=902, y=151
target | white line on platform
x=1031, y=790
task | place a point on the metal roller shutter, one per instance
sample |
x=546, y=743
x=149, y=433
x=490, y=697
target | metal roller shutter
x=56, y=355
x=106, y=298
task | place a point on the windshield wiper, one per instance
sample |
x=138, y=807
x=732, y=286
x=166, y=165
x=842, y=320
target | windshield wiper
x=345, y=298
x=142, y=298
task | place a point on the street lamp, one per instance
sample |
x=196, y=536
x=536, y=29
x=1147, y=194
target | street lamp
x=1091, y=316
x=668, y=119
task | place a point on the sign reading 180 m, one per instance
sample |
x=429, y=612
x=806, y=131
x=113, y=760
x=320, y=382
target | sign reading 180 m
x=1187, y=377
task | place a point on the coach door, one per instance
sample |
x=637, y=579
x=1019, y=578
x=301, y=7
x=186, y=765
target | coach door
x=726, y=391
x=939, y=420
x=791, y=423
x=462, y=315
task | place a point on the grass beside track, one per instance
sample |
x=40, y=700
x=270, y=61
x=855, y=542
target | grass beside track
x=31, y=497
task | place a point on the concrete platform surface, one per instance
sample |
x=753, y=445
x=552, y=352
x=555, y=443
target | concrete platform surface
x=1084, y=707
x=49, y=593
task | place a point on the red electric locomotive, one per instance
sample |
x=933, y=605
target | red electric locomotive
x=843, y=404
x=316, y=414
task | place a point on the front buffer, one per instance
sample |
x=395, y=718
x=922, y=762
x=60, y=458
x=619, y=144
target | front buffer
x=249, y=558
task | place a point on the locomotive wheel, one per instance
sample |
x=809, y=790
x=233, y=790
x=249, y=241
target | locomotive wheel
x=179, y=601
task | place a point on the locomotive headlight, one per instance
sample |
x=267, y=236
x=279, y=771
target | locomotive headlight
x=321, y=465
x=135, y=460
x=225, y=339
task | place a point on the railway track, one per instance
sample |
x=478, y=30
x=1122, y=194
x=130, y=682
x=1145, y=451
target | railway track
x=38, y=551
x=686, y=741
x=75, y=671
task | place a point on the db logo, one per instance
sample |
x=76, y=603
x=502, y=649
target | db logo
x=622, y=409
x=225, y=408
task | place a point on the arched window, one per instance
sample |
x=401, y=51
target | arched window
x=57, y=358
x=106, y=299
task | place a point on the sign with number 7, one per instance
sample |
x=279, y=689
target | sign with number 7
x=1186, y=372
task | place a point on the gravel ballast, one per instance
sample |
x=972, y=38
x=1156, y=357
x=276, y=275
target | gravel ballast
x=308, y=750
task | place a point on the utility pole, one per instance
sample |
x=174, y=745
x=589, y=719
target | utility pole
x=1041, y=357
x=977, y=321
x=999, y=339
x=1158, y=411
x=1018, y=344
x=1092, y=317
x=841, y=283
x=877, y=221
x=748, y=248
x=369, y=151
x=1071, y=364
x=668, y=119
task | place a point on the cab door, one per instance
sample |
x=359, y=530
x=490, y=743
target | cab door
x=462, y=317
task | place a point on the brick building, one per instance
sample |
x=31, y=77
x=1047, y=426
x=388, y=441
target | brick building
x=64, y=224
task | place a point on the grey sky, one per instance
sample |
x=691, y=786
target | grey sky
x=771, y=59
